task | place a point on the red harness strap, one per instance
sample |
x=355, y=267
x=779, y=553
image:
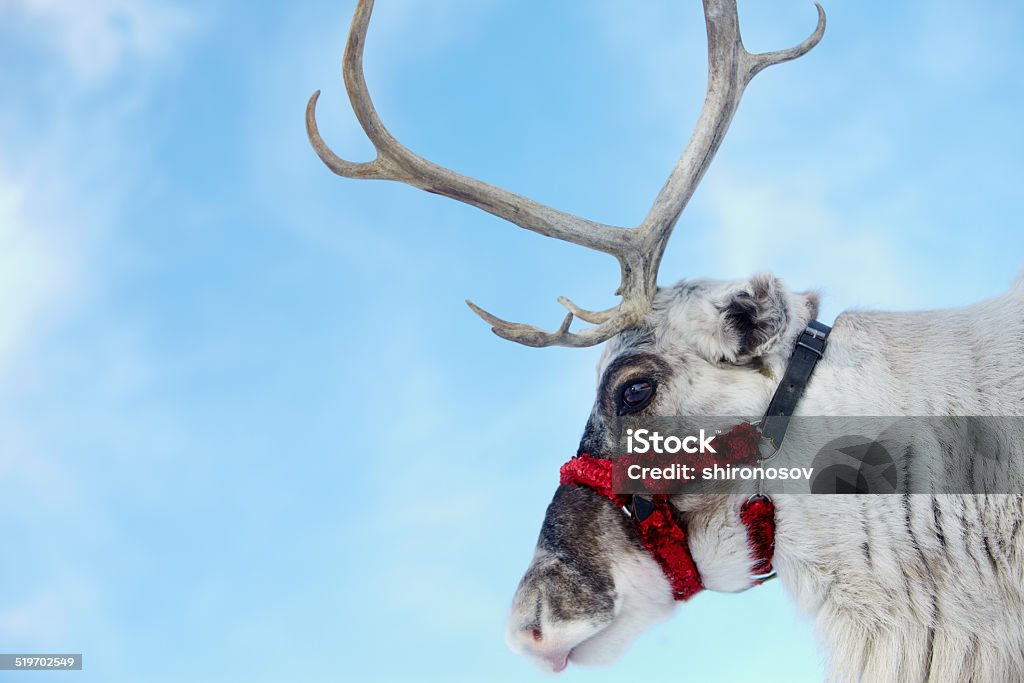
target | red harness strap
x=663, y=532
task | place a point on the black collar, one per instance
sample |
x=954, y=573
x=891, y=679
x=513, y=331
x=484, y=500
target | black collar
x=809, y=349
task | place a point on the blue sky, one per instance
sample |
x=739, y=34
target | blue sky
x=248, y=429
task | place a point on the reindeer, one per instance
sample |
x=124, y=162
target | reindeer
x=904, y=587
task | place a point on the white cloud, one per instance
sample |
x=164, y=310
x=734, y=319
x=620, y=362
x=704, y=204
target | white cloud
x=98, y=37
x=33, y=272
x=52, y=210
x=68, y=163
x=787, y=225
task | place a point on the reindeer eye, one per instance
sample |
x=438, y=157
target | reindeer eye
x=638, y=394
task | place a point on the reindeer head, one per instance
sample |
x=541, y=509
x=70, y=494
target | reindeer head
x=701, y=347
x=707, y=348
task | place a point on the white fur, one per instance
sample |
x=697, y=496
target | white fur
x=644, y=599
x=946, y=612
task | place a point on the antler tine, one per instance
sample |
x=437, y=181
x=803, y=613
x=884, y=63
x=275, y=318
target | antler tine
x=762, y=60
x=639, y=250
x=347, y=169
x=593, y=317
x=730, y=69
x=528, y=335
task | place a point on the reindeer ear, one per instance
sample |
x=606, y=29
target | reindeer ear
x=754, y=316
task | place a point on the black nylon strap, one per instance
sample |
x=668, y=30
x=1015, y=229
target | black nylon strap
x=809, y=349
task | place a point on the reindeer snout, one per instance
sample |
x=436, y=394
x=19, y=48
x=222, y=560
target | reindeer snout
x=556, y=608
x=589, y=589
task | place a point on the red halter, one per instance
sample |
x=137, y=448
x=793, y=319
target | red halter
x=663, y=532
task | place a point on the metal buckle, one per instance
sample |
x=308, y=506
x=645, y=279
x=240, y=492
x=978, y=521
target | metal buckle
x=818, y=352
x=759, y=494
x=640, y=508
x=816, y=335
x=771, y=445
x=814, y=332
x=758, y=424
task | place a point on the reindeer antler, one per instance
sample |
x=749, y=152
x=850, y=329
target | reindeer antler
x=638, y=250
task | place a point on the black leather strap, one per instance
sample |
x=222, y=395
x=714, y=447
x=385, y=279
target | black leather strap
x=809, y=349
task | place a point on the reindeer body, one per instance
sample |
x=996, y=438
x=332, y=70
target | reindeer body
x=916, y=587
x=903, y=587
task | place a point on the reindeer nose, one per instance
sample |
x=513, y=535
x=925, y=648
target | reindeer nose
x=530, y=640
